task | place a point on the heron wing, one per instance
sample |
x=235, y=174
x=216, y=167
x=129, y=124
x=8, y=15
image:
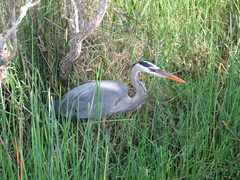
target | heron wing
x=75, y=102
x=92, y=100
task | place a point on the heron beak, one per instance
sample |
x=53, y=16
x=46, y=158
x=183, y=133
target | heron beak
x=170, y=76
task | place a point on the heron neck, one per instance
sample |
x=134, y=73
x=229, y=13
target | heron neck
x=141, y=90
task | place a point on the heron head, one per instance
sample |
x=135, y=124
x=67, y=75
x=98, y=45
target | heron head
x=148, y=67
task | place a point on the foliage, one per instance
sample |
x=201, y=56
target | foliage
x=183, y=131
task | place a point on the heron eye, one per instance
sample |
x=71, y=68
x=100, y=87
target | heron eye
x=152, y=69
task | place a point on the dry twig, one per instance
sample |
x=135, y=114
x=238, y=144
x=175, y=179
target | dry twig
x=225, y=124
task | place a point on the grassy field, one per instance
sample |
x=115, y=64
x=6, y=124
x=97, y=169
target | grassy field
x=183, y=131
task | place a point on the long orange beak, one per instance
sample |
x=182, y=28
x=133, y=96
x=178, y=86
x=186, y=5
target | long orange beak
x=170, y=76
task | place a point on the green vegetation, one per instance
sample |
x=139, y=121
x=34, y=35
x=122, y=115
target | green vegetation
x=183, y=131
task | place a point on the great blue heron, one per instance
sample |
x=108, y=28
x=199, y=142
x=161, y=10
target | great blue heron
x=97, y=99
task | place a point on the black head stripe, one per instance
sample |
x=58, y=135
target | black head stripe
x=145, y=63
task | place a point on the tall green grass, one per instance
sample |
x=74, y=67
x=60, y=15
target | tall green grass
x=183, y=131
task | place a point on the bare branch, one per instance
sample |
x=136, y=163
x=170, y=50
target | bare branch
x=3, y=73
x=76, y=41
x=82, y=13
x=23, y=10
x=14, y=35
x=94, y=22
x=5, y=55
x=76, y=24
